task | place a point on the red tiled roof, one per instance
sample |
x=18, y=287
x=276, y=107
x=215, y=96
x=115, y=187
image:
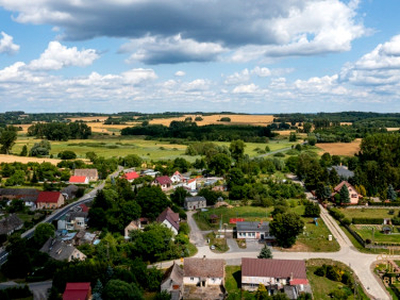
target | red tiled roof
x=163, y=180
x=130, y=175
x=48, y=197
x=84, y=208
x=77, y=179
x=191, y=180
x=278, y=268
x=340, y=185
x=298, y=281
x=77, y=291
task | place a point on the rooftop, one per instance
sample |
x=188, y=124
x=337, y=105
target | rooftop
x=195, y=199
x=203, y=267
x=277, y=268
x=252, y=226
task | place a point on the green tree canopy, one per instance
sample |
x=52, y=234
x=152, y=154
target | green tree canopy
x=286, y=227
x=152, y=200
x=43, y=232
x=344, y=194
x=265, y=253
x=237, y=149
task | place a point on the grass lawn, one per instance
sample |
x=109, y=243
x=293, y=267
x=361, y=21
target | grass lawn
x=368, y=213
x=250, y=148
x=322, y=286
x=219, y=243
x=233, y=281
x=365, y=231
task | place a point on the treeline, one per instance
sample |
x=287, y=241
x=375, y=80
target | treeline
x=57, y=131
x=345, y=134
x=190, y=131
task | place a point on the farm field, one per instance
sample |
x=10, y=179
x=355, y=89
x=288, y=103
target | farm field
x=13, y=158
x=346, y=149
x=213, y=119
x=250, y=148
x=368, y=213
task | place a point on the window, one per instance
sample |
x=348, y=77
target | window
x=191, y=278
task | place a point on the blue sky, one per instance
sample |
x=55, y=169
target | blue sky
x=261, y=56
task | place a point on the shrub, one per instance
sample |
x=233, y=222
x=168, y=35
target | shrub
x=67, y=154
x=367, y=220
x=337, y=214
x=225, y=119
x=321, y=271
x=346, y=221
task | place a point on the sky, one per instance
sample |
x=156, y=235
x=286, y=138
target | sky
x=261, y=57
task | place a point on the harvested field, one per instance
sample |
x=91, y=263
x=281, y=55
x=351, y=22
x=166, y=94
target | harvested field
x=346, y=123
x=89, y=119
x=12, y=158
x=347, y=149
x=393, y=128
x=213, y=119
x=99, y=127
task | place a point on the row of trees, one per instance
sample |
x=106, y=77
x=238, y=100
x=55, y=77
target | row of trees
x=57, y=131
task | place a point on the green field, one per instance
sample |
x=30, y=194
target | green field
x=365, y=231
x=116, y=146
x=368, y=213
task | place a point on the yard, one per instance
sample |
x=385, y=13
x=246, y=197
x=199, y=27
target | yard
x=368, y=213
x=374, y=234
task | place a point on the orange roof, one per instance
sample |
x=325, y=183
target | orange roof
x=130, y=175
x=77, y=179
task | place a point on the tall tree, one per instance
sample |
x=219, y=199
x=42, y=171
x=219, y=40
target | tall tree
x=344, y=194
x=286, y=227
x=7, y=139
x=42, y=233
x=265, y=253
x=237, y=149
x=391, y=193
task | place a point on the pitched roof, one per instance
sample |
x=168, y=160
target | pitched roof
x=163, y=180
x=76, y=291
x=77, y=179
x=252, y=226
x=169, y=215
x=130, y=176
x=340, y=185
x=23, y=194
x=48, y=197
x=57, y=249
x=70, y=190
x=278, y=268
x=84, y=207
x=86, y=172
x=10, y=224
x=174, y=273
x=343, y=171
x=203, y=267
x=194, y=199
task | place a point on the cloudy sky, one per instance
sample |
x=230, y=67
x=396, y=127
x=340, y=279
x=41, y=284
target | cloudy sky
x=263, y=56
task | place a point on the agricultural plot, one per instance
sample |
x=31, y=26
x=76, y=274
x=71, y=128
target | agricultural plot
x=346, y=149
x=13, y=158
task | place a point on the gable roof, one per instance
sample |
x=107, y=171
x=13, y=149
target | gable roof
x=84, y=207
x=23, y=194
x=174, y=273
x=130, y=176
x=277, y=268
x=10, y=224
x=70, y=190
x=86, y=172
x=48, y=197
x=77, y=290
x=203, y=267
x=163, y=180
x=169, y=215
x=252, y=226
x=340, y=185
x=77, y=179
x=343, y=171
x=57, y=249
x=194, y=199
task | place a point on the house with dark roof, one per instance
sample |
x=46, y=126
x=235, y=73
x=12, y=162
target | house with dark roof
x=49, y=200
x=193, y=203
x=343, y=172
x=275, y=275
x=354, y=195
x=203, y=272
x=10, y=224
x=59, y=250
x=170, y=219
x=29, y=196
x=70, y=191
x=77, y=291
x=92, y=174
x=78, y=180
x=172, y=282
x=253, y=230
x=164, y=182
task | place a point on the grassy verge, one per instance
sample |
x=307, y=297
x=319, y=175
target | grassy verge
x=322, y=286
x=233, y=282
x=241, y=243
x=219, y=243
x=192, y=249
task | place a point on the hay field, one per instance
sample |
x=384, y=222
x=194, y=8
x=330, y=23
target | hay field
x=213, y=119
x=346, y=123
x=89, y=119
x=347, y=149
x=11, y=158
x=392, y=128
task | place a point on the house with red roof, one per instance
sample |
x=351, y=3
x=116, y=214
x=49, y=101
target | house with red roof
x=164, y=182
x=177, y=177
x=170, y=219
x=354, y=195
x=49, y=200
x=77, y=291
x=130, y=176
x=78, y=180
x=285, y=275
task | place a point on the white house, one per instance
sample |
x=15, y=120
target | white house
x=170, y=219
x=203, y=272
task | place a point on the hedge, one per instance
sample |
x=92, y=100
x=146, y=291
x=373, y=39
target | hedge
x=383, y=203
x=378, y=221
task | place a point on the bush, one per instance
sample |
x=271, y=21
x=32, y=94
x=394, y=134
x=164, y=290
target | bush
x=333, y=273
x=337, y=214
x=321, y=271
x=225, y=119
x=67, y=154
x=368, y=221
x=346, y=221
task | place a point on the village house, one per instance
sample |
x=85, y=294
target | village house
x=276, y=275
x=28, y=196
x=191, y=184
x=354, y=195
x=170, y=219
x=150, y=172
x=193, y=203
x=70, y=191
x=203, y=272
x=49, y=200
x=77, y=291
x=92, y=174
x=138, y=224
x=177, y=177
x=78, y=180
x=172, y=282
x=10, y=224
x=59, y=250
x=130, y=176
x=73, y=221
x=164, y=182
x=253, y=230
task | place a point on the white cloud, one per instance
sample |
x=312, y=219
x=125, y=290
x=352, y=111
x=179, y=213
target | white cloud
x=238, y=77
x=136, y=76
x=245, y=89
x=180, y=73
x=261, y=72
x=57, y=56
x=7, y=45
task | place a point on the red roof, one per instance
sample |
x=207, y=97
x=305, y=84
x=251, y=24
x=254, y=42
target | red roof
x=48, y=197
x=298, y=281
x=130, y=175
x=77, y=179
x=77, y=291
x=277, y=268
x=84, y=208
x=163, y=180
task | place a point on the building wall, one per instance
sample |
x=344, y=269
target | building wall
x=168, y=224
x=60, y=202
x=250, y=283
x=198, y=204
x=253, y=235
x=209, y=281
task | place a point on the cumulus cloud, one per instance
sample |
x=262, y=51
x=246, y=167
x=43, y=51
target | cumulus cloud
x=250, y=28
x=180, y=73
x=7, y=45
x=57, y=56
x=245, y=89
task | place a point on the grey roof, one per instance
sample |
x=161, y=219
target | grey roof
x=57, y=249
x=195, y=199
x=10, y=224
x=22, y=194
x=343, y=171
x=252, y=226
x=80, y=214
x=174, y=273
x=70, y=190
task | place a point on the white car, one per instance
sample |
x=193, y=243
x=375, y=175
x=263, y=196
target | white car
x=212, y=247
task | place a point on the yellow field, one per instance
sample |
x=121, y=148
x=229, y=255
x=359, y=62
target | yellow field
x=393, y=128
x=89, y=119
x=347, y=149
x=346, y=123
x=11, y=158
x=213, y=119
